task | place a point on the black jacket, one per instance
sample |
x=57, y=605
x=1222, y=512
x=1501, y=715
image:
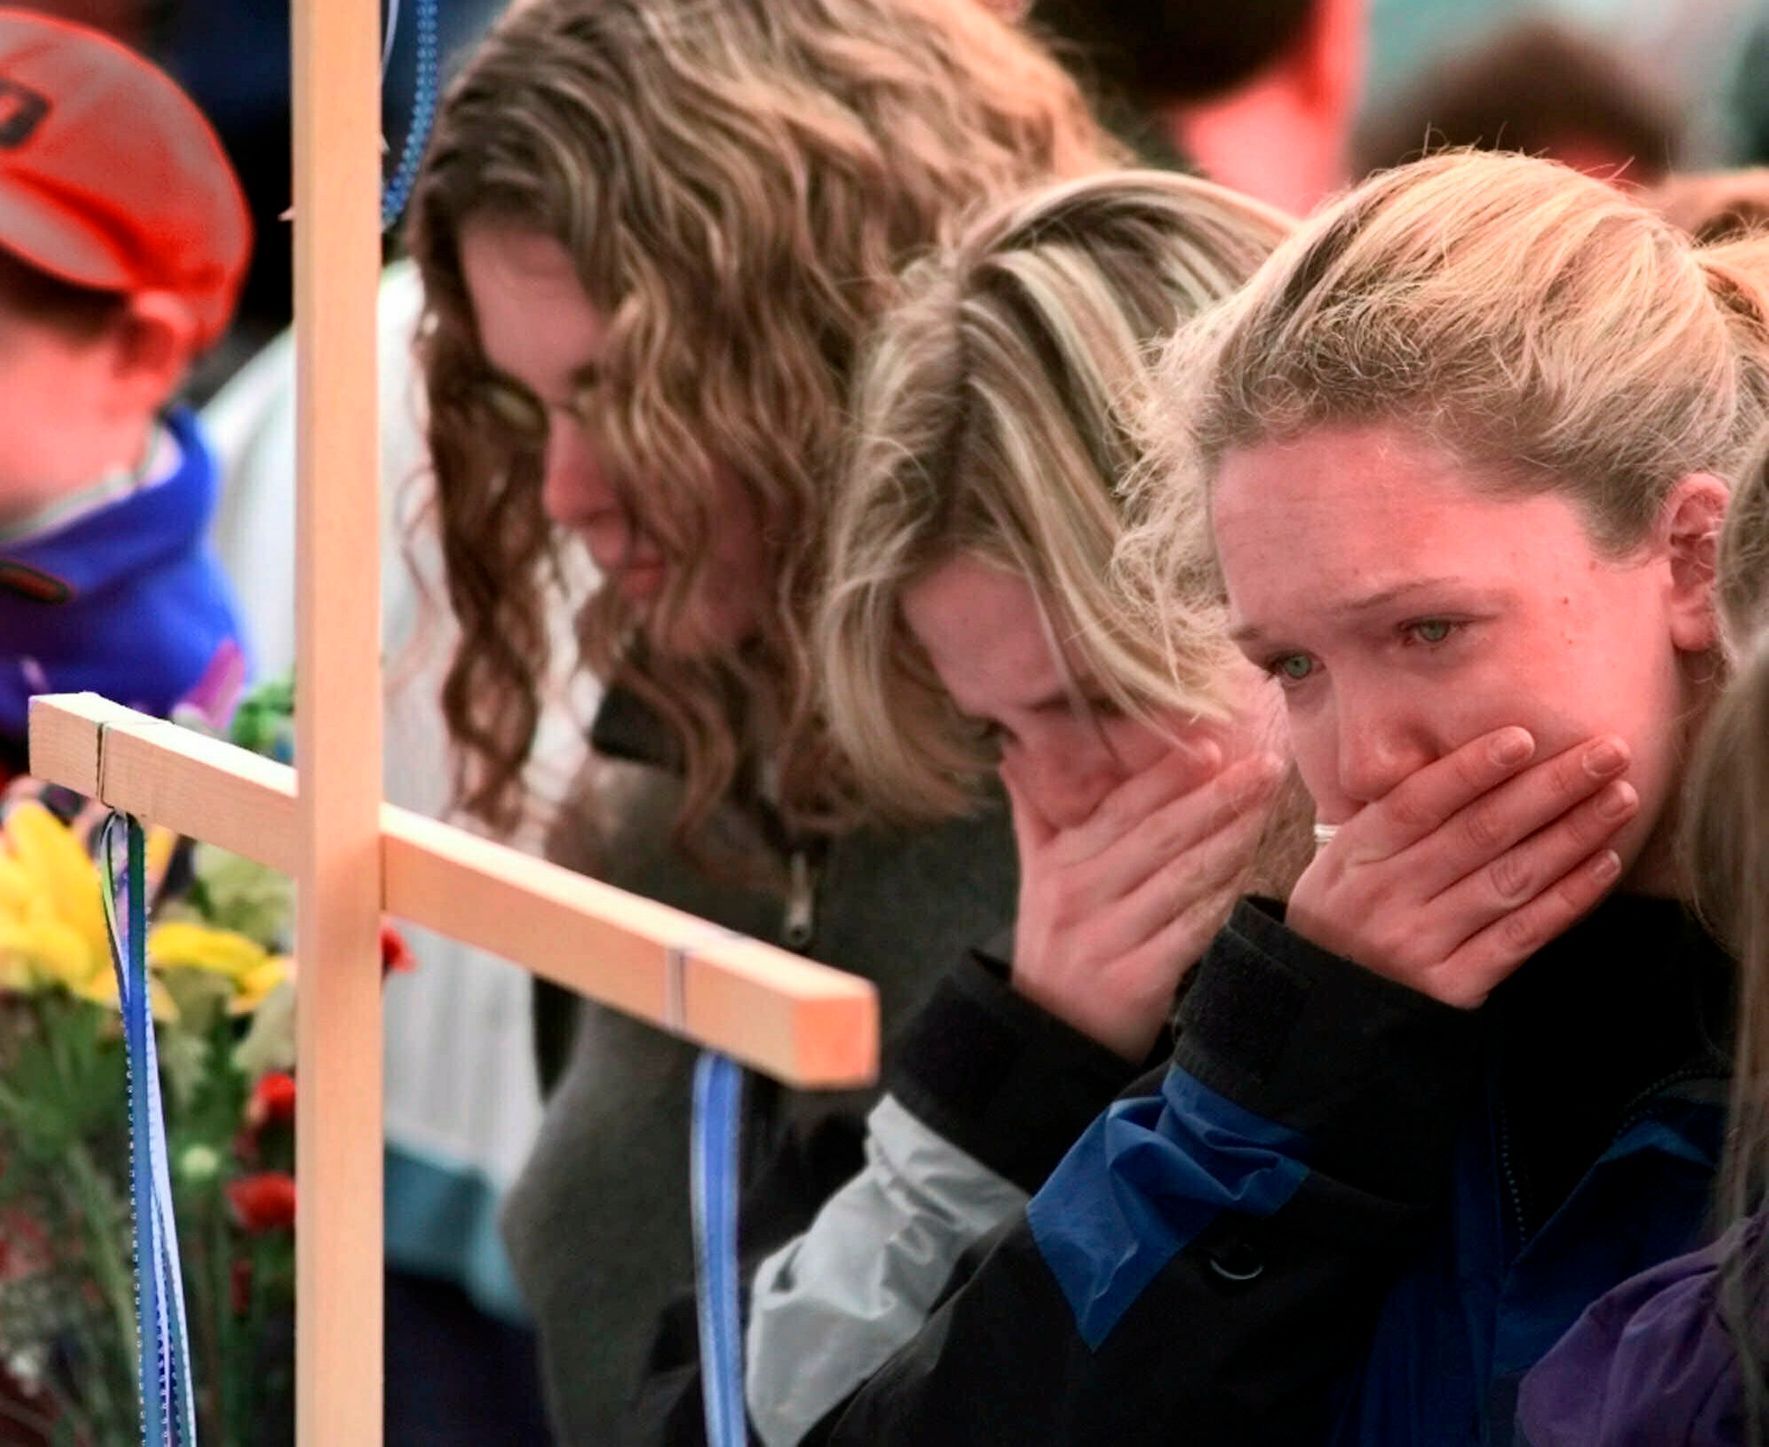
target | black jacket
x=1345, y=1212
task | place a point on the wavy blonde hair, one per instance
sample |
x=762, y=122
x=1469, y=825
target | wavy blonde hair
x=1537, y=325
x=739, y=182
x=1727, y=837
x=993, y=421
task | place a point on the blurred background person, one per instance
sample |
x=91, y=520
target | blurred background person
x=1541, y=87
x=1258, y=96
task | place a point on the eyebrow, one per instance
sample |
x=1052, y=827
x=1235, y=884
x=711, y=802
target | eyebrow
x=1244, y=633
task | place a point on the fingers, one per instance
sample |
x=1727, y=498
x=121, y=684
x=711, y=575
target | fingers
x=1463, y=906
x=1242, y=789
x=1525, y=871
x=1134, y=997
x=1181, y=769
x=1166, y=840
x=1421, y=803
x=1212, y=865
x=1479, y=905
x=1172, y=951
x=1541, y=798
x=1468, y=976
x=1122, y=1000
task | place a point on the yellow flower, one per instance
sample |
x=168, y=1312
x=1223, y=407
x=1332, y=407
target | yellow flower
x=40, y=952
x=57, y=876
x=102, y=990
x=258, y=984
x=52, y=932
x=52, y=926
x=251, y=970
x=52, y=929
x=186, y=945
x=17, y=889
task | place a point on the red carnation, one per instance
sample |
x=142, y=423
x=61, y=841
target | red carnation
x=263, y=1202
x=272, y=1102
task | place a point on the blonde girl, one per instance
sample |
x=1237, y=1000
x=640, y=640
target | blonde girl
x=971, y=631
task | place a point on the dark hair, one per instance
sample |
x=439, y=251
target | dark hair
x=81, y=312
x=1154, y=51
x=1532, y=87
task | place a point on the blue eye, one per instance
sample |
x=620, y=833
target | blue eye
x=1431, y=630
x=1292, y=667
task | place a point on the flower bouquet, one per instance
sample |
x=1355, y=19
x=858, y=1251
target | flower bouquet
x=222, y=995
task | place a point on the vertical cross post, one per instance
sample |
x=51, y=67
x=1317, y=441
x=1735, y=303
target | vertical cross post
x=337, y=169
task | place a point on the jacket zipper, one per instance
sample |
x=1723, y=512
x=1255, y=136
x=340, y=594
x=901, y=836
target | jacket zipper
x=1640, y=1106
x=1637, y=1110
x=801, y=902
x=1508, y=1174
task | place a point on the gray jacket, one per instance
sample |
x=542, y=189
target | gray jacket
x=597, y=1225
x=986, y=1092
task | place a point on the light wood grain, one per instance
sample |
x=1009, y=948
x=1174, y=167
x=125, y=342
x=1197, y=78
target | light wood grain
x=800, y=1022
x=337, y=169
x=175, y=777
x=774, y=1011
x=65, y=736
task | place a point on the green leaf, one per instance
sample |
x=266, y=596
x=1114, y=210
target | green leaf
x=270, y=1042
x=239, y=894
x=184, y=1064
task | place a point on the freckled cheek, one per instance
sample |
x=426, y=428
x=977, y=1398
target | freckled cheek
x=1564, y=688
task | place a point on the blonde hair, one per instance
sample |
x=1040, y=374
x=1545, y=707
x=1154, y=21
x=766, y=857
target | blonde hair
x=1727, y=837
x=992, y=422
x=1553, y=335
x=739, y=181
x=1537, y=325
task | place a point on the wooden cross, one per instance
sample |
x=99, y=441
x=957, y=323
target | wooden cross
x=355, y=857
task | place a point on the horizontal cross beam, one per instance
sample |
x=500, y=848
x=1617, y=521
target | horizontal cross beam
x=803, y=1023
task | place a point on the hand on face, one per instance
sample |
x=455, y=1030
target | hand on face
x=1410, y=607
x=1115, y=909
x=1470, y=865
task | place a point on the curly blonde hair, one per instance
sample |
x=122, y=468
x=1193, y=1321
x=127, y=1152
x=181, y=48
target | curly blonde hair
x=993, y=421
x=739, y=182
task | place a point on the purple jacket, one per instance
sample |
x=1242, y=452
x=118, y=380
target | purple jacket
x=1651, y=1364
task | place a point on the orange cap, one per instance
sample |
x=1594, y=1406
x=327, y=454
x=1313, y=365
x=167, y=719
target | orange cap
x=110, y=177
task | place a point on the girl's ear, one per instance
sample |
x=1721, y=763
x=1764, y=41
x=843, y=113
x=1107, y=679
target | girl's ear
x=1689, y=534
